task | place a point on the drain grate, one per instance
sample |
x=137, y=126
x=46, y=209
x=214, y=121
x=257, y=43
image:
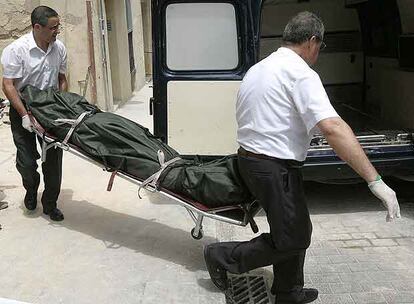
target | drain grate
x=248, y=289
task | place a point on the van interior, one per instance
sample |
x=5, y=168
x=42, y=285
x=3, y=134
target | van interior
x=367, y=67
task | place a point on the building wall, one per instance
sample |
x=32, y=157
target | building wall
x=138, y=37
x=147, y=28
x=15, y=21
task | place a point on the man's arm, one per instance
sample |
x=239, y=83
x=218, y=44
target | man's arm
x=63, y=82
x=342, y=139
x=13, y=96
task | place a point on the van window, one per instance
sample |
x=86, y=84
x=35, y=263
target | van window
x=201, y=36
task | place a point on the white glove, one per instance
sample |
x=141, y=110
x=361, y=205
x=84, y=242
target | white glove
x=26, y=123
x=387, y=197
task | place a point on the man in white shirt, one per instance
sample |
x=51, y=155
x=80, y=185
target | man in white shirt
x=38, y=59
x=281, y=102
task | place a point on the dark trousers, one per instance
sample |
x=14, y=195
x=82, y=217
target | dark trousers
x=26, y=163
x=278, y=187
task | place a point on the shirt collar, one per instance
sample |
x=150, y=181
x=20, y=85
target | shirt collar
x=288, y=51
x=33, y=45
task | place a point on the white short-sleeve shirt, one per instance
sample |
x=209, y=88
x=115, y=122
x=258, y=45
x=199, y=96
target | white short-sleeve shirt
x=24, y=61
x=280, y=101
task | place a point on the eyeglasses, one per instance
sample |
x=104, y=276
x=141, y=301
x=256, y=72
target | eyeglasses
x=323, y=46
x=54, y=28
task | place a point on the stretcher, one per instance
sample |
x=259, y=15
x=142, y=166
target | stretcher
x=240, y=214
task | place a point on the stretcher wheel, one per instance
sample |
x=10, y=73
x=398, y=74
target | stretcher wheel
x=197, y=236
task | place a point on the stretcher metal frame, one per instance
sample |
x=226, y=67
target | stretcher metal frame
x=240, y=215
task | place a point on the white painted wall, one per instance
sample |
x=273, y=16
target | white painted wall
x=15, y=21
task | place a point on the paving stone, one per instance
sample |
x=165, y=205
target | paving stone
x=377, y=250
x=383, y=242
x=377, y=286
x=336, y=299
x=368, y=298
x=357, y=243
x=351, y=251
x=323, y=288
x=399, y=297
x=404, y=285
x=392, y=265
x=363, y=235
x=335, y=268
x=382, y=276
x=354, y=277
x=387, y=234
x=325, y=278
x=338, y=288
x=340, y=259
x=364, y=266
x=318, y=259
x=313, y=268
x=405, y=241
x=323, y=251
x=338, y=236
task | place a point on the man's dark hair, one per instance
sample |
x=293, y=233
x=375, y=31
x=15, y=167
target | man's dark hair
x=302, y=27
x=41, y=15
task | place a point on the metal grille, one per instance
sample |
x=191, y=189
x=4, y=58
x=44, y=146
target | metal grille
x=248, y=289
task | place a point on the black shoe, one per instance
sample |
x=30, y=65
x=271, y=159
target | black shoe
x=307, y=295
x=30, y=201
x=55, y=214
x=217, y=273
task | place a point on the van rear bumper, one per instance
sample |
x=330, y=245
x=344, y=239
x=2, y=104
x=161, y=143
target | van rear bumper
x=339, y=171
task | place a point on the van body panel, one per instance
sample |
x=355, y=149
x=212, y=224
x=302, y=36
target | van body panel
x=192, y=111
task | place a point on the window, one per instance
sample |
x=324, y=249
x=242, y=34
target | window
x=201, y=36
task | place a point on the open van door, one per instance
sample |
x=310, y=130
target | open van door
x=201, y=51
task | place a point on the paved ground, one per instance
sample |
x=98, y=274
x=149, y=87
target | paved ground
x=114, y=248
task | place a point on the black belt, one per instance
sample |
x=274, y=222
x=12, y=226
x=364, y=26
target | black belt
x=287, y=162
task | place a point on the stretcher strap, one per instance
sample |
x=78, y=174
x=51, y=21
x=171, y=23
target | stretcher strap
x=74, y=123
x=153, y=179
x=113, y=174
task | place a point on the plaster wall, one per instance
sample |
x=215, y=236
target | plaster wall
x=138, y=80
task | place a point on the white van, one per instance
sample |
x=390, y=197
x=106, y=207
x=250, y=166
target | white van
x=202, y=49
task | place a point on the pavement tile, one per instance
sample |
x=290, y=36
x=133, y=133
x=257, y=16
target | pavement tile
x=399, y=297
x=323, y=251
x=384, y=242
x=323, y=288
x=351, y=251
x=377, y=250
x=377, y=286
x=339, y=259
x=364, y=266
x=404, y=285
x=338, y=288
x=387, y=234
x=368, y=298
x=336, y=299
x=363, y=235
x=337, y=268
x=353, y=277
x=357, y=243
x=407, y=241
x=325, y=278
x=382, y=276
x=338, y=236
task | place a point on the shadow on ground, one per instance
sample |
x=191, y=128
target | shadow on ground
x=142, y=235
x=329, y=199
